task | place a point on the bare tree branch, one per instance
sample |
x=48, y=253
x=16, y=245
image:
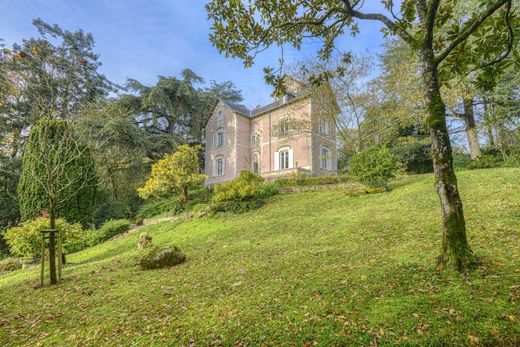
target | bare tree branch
x=394, y=28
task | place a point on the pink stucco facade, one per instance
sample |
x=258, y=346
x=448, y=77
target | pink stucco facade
x=238, y=139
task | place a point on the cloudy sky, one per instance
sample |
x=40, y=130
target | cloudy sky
x=143, y=39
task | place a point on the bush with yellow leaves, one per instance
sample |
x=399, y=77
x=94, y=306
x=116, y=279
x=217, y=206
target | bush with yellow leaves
x=174, y=174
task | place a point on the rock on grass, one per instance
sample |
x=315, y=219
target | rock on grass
x=162, y=256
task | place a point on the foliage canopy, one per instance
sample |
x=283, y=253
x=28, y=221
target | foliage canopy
x=58, y=173
x=174, y=173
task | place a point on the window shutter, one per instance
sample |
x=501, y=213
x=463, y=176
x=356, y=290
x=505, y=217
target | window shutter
x=276, y=161
x=290, y=158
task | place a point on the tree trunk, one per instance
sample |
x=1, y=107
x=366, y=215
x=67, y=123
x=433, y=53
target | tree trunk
x=52, y=247
x=471, y=129
x=455, y=248
x=489, y=125
x=15, y=142
x=502, y=137
x=113, y=183
x=185, y=193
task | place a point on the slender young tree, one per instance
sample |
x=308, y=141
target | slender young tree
x=243, y=29
x=57, y=171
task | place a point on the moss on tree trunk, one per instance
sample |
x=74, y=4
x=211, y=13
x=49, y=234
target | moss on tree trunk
x=455, y=250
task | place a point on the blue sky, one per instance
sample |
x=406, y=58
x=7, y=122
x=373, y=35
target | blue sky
x=142, y=39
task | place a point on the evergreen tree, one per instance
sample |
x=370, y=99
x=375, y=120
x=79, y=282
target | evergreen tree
x=58, y=174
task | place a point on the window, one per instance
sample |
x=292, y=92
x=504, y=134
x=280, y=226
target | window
x=220, y=119
x=284, y=159
x=324, y=158
x=255, y=140
x=256, y=163
x=218, y=139
x=219, y=167
x=284, y=127
x=324, y=126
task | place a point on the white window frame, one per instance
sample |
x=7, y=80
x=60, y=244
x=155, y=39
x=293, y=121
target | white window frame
x=284, y=159
x=325, y=158
x=219, y=138
x=288, y=158
x=219, y=167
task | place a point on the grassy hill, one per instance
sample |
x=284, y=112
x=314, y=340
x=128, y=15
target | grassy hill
x=308, y=268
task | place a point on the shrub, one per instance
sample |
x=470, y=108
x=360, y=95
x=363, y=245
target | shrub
x=10, y=264
x=236, y=206
x=461, y=160
x=512, y=160
x=9, y=210
x=25, y=240
x=156, y=207
x=200, y=207
x=415, y=156
x=176, y=172
x=300, y=179
x=486, y=161
x=108, y=230
x=200, y=210
x=242, y=194
x=199, y=195
x=4, y=248
x=375, y=166
x=110, y=210
x=162, y=256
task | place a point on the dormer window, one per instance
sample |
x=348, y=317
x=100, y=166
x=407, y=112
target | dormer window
x=220, y=119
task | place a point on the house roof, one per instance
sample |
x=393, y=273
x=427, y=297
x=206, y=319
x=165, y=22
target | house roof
x=302, y=92
x=238, y=108
x=278, y=103
x=243, y=110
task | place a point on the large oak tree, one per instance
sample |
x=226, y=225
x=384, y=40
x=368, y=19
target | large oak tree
x=245, y=28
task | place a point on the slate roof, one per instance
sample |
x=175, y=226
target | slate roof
x=241, y=109
x=238, y=108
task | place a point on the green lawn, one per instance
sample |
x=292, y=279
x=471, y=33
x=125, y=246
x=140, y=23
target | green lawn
x=318, y=268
